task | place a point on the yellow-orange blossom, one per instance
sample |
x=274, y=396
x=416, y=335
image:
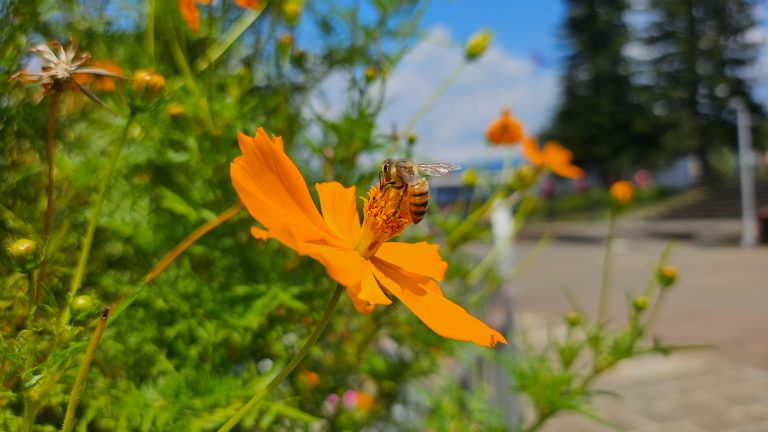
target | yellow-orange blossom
x=356, y=256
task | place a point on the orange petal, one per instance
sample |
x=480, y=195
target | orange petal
x=272, y=189
x=362, y=306
x=253, y=4
x=343, y=265
x=420, y=258
x=370, y=291
x=189, y=12
x=259, y=233
x=339, y=209
x=567, y=171
x=531, y=151
x=439, y=314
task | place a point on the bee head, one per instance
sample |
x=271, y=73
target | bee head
x=387, y=172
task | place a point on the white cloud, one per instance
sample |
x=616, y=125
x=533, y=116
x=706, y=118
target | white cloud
x=453, y=129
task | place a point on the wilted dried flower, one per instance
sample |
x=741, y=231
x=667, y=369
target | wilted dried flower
x=59, y=69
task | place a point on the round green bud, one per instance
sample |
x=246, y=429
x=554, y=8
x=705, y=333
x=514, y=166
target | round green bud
x=477, y=44
x=573, y=319
x=640, y=303
x=666, y=276
x=411, y=138
x=25, y=256
x=83, y=303
x=469, y=177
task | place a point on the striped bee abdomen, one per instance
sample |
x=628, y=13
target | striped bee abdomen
x=418, y=200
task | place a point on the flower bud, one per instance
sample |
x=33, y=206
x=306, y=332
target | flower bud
x=284, y=45
x=291, y=10
x=147, y=83
x=83, y=303
x=524, y=177
x=370, y=74
x=477, y=44
x=175, y=110
x=573, y=319
x=666, y=276
x=622, y=192
x=640, y=303
x=83, y=306
x=25, y=256
x=412, y=138
x=469, y=177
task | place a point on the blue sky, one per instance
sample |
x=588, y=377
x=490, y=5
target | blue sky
x=522, y=27
x=520, y=72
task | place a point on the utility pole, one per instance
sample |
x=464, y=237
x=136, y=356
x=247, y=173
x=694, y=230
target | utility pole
x=746, y=173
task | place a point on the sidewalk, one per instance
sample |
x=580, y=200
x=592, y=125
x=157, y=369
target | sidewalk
x=721, y=299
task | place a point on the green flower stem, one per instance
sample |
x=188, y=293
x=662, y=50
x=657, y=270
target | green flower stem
x=452, y=76
x=93, y=221
x=457, y=235
x=149, y=34
x=50, y=145
x=233, y=33
x=605, y=290
x=74, y=396
x=287, y=369
x=32, y=307
x=654, y=312
x=31, y=404
x=539, y=422
x=189, y=79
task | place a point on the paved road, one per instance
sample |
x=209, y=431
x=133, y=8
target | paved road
x=721, y=299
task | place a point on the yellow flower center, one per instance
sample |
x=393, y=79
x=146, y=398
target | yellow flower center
x=381, y=219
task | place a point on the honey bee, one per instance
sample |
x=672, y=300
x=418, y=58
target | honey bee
x=407, y=178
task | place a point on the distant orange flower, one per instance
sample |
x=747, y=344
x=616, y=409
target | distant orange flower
x=309, y=378
x=622, y=192
x=505, y=130
x=553, y=157
x=100, y=82
x=245, y=4
x=356, y=256
x=191, y=15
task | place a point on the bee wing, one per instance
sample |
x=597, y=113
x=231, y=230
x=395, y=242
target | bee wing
x=438, y=169
x=408, y=177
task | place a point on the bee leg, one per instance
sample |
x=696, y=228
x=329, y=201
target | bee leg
x=400, y=201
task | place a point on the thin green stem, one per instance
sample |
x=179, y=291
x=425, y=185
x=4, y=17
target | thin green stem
x=538, y=423
x=149, y=33
x=233, y=33
x=181, y=62
x=452, y=76
x=457, y=235
x=287, y=369
x=77, y=388
x=654, y=312
x=605, y=285
x=77, y=278
x=50, y=146
x=32, y=307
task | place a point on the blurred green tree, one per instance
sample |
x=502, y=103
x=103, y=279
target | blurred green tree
x=700, y=50
x=601, y=117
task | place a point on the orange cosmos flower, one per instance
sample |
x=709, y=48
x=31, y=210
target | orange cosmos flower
x=553, y=157
x=505, y=130
x=191, y=15
x=356, y=256
x=622, y=192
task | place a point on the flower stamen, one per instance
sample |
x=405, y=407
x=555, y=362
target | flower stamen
x=381, y=219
